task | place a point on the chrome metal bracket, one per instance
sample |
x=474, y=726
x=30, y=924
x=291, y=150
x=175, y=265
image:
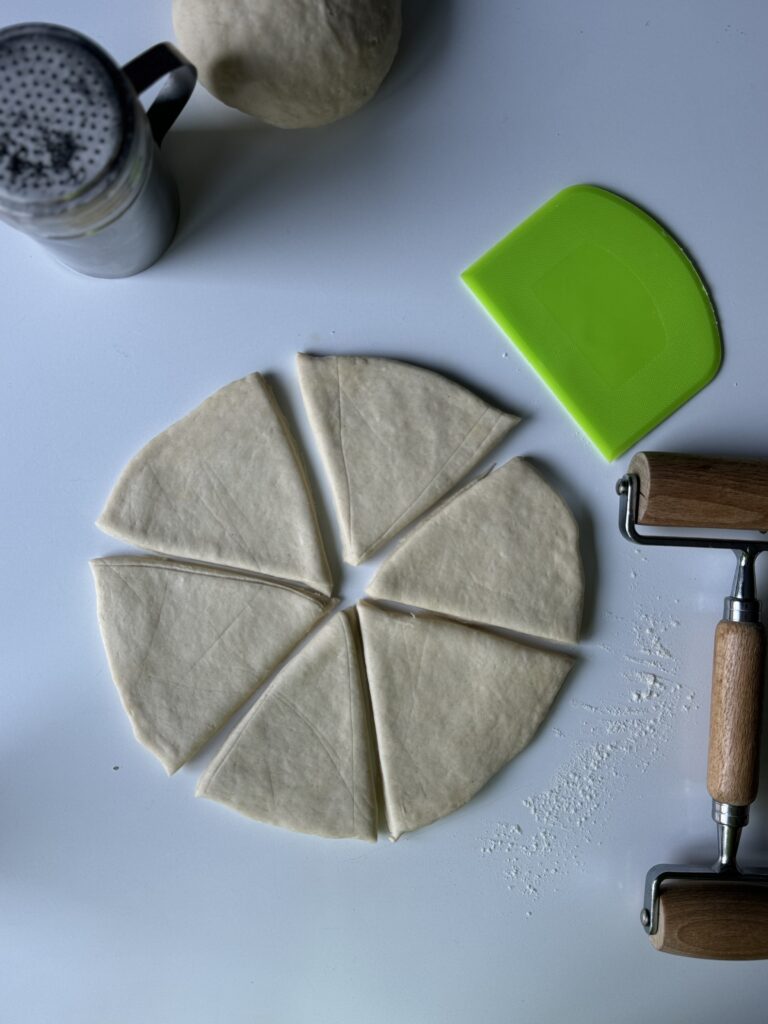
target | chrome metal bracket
x=628, y=489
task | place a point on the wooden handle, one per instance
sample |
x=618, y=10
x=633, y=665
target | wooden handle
x=717, y=920
x=701, y=491
x=734, y=722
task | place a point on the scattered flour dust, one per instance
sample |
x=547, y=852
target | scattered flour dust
x=618, y=739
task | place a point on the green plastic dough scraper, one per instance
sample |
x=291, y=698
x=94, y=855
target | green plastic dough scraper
x=607, y=308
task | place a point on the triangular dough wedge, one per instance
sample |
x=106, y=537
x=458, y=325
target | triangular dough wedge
x=224, y=485
x=504, y=551
x=394, y=439
x=188, y=644
x=301, y=758
x=451, y=705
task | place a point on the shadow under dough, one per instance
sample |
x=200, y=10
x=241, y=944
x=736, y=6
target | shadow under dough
x=226, y=174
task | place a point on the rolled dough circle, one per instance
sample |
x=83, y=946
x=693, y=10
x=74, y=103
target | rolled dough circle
x=291, y=63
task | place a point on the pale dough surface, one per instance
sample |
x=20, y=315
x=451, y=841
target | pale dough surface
x=452, y=704
x=291, y=63
x=188, y=644
x=302, y=758
x=225, y=485
x=504, y=551
x=394, y=438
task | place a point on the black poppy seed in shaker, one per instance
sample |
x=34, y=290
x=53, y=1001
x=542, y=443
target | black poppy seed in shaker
x=60, y=117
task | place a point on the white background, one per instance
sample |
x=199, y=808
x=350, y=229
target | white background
x=124, y=899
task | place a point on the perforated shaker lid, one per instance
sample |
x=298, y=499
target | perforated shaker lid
x=64, y=115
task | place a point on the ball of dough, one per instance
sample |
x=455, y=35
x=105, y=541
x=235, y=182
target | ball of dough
x=291, y=63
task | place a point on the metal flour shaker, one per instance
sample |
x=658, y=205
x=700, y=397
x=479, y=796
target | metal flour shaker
x=80, y=167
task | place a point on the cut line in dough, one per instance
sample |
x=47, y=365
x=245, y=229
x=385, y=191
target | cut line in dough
x=452, y=704
x=301, y=758
x=394, y=439
x=188, y=644
x=504, y=552
x=224, y=485
x=447, y=702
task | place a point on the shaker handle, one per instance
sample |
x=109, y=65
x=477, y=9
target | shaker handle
x=144, y=70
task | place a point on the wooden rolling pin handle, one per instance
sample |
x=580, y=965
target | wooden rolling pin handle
x=735, y=715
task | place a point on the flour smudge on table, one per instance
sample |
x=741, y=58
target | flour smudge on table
x=616, y=741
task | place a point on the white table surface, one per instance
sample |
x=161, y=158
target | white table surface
x=124, y=899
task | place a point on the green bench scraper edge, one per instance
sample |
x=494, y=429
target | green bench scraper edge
x=607, y=308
